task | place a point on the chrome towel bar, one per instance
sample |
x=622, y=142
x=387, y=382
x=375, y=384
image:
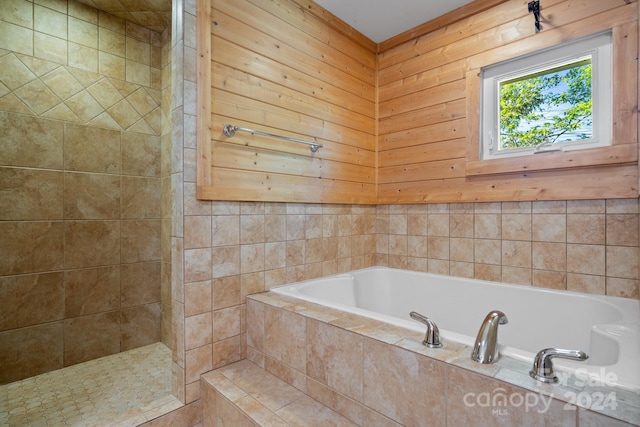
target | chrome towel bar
x=230, y=130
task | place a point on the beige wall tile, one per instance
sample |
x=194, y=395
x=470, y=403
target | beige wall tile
x=89, y=149
x=90, y=337
x=586, y=283
x=83, y=32
x=198, y=330
x=82, y=57
x=30, y=351
x=516, y=275
x=29, y=247
x=141, y=240
x=394, y=398
x=198, y=361
x=91, y=291
x=622, y=262
x=29, y=194
x=140, y=197
x=226, y=323
x=49, y=21
x=464, y=390
x=37, y=97
x=549, y=228
x=16, y=38
x=197, y=232
x=227, y=351
x=549, y=256
x=50, y=48
x=31, y=142
x=549, y=279
x=622, y=229
x=516, y=226
x=625, y=288
x=252, y=229
x=138, y=73
x=586, y=259
x=31, y=300
x=111, y=22
x=111, y=65
x=622, y=206
x=91, y=196
x=226, y=292
x=252, y=257
x=62, y=83
x=285, y=337
x=516, y=253
x=586, y=228
x=140, y=326
x=18, y=12
x=140, y=283
x=84, y=249
x=487, y=226
x=487, y=251
x=198, y=297
x=82, y=11
x=225, y=230
x=334, y=358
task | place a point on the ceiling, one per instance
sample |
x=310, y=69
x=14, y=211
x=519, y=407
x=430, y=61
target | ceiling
x=380, y=20
x=152, y=14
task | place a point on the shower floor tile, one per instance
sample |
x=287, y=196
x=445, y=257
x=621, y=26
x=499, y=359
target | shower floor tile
x=125, y=389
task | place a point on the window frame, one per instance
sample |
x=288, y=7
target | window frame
x=597, y=46
x=624, y=145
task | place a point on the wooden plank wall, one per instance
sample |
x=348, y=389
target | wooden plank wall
x=425, y=94
x=287, y=68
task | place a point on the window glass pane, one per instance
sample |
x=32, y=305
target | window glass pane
x=548, y=106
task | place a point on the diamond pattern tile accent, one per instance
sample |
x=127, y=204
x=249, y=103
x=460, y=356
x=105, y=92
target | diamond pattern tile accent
x=37, y=96
x=35, y=86
x=14, y=73
x=62, y=83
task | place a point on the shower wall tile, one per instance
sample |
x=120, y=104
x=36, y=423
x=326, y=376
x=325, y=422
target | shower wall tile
x=140, y=326
x=30, y=141
x=90, y=149
x=81, y=249
x=140, y=197
x=140, y=154
x=91, y=196
x=30, y=194
x=80, y=172
x=140, y=283
x=31, y=351
x=91, y=337
x=140, y=240
x=31, y=299
x=91, y=290
x=29, y=247
x=15, y=38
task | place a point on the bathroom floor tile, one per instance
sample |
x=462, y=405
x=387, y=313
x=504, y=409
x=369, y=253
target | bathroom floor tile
x=130, y=387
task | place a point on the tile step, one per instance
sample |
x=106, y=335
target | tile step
x=243, y=394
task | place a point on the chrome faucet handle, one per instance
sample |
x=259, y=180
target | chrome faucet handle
x=432, y=336
x=543, y=366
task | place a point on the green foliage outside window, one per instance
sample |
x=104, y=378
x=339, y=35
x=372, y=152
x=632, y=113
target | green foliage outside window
x=547, y=107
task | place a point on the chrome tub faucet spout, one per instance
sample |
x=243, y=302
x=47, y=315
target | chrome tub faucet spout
x=432, y=336
x=485, y=349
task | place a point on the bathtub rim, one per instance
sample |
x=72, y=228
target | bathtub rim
x=595, y=373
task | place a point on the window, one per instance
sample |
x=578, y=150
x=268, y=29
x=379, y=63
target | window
x=554, y=100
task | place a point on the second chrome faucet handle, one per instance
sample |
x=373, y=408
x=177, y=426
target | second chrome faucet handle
x=432, y=336
x=543, y=366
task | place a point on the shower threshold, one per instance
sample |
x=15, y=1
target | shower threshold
x=124, y=389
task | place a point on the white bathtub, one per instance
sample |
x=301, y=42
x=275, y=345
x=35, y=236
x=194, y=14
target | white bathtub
x=606, y=328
